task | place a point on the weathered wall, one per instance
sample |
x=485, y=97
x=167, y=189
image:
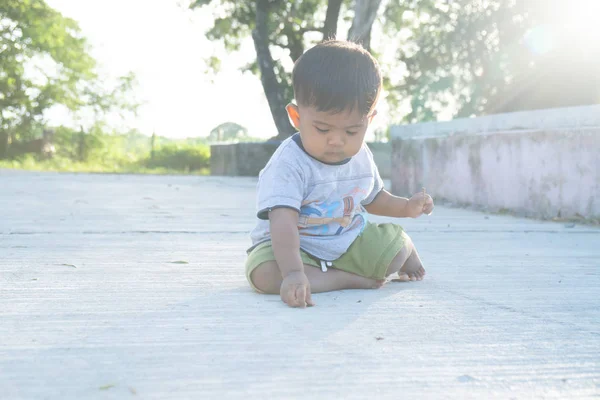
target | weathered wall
x=247, y=159
x=240, y=159
x=382, y=153
x=508, y=164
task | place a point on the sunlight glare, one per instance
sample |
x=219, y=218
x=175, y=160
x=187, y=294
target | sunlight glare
x=581, y=21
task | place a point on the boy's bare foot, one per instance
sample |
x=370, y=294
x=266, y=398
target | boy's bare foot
x=412, y=270
x=407, y=277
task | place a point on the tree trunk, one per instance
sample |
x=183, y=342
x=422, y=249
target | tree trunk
x=366, y=42
x=271, y=86
x=152, y=141
x=81, y=148
x=365, y=13
x=295, y=42
x=3, y=144
x=331, y=19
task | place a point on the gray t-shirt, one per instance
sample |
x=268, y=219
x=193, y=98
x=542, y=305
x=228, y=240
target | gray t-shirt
x=328, y=197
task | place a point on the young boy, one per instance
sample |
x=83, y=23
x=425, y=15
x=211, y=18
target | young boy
x=313, y=235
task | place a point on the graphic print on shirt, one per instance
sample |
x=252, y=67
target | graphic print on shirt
x=317, y=219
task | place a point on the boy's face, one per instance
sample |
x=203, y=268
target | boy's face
x=328, y=137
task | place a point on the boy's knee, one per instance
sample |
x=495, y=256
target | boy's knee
x=267, y=277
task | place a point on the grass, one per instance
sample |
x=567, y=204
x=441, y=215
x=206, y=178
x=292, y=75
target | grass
x=117, y=154
x=61, y=164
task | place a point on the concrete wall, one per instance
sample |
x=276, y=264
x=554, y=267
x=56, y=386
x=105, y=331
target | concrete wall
x=247, y=159
x=240, y=159
x=382, y=153
x=541, y=163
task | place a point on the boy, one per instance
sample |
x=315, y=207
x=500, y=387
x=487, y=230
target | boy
x=313, y=234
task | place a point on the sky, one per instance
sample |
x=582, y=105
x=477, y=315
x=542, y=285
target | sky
x=164, y=44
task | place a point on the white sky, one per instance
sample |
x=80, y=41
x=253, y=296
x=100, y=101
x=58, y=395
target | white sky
x=164, y=44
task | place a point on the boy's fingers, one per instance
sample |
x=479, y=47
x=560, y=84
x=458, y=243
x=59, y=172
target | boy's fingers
x=285, y=296
x=301, y=296
x=428, y=205
x=292, y=296
x=289, y=296
x=297, y=296
x=309, y=299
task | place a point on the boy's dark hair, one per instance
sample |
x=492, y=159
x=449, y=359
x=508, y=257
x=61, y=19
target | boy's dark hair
x=336, y=76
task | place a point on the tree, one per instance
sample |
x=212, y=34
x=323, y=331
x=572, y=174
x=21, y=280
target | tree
x=44, y=61
x=478, y=58
x=227, y=131
x=365, y=12
x=284, y=25
x=470, y=57
x=454, y=53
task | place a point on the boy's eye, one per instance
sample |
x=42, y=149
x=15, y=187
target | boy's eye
x=322, y=130
x=351, y=133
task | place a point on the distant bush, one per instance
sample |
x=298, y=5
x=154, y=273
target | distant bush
x=180, y=156
x=97, y=151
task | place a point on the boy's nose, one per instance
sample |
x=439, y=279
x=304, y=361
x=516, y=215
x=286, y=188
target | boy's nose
x=336, y=140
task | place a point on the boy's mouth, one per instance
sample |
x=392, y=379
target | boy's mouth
x=334, y=154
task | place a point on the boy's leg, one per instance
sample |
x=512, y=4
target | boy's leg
x=267, y=278
x=407, y=263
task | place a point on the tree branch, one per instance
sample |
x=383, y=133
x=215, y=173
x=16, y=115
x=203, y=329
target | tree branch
x=365, y=12
x=331, y=19
x=295, y=41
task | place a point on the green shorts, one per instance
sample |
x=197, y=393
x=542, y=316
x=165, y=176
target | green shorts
x=369, y=255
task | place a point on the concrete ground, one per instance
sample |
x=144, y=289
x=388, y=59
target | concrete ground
x=133, y=287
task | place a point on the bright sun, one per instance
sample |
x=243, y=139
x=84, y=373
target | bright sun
x=569, y=25
x=580, y=19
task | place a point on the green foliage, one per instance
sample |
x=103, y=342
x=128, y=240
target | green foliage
x=44, y=62
x=97, y=151
x=31, y=33
x=112, y=166
x=181, y=157
x=237, y=23
x=466, y=56
x=289, y=21
x=458, y=52
x=93, y=146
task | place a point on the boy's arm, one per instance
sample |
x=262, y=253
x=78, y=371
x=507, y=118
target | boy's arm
x=389, y=205
x=285, y=239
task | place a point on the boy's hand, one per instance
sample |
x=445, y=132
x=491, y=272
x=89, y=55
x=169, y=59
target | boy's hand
x=295, y=290
x=421, y=203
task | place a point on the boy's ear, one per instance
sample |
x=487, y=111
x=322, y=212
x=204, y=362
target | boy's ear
x=373, y=114
x=294, y=115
